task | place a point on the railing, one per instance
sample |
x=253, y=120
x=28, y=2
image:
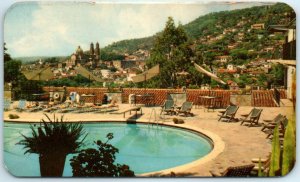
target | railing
x=153, y=111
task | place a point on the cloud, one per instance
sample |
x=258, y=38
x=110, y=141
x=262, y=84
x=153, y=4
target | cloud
x=52, y=29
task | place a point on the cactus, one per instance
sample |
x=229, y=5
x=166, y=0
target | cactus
x=260, y=173
x=289, y=149
x=275, y=157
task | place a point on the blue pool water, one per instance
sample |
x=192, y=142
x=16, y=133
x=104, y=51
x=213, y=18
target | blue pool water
x=145, y=148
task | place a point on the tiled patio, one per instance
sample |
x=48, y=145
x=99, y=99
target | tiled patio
x=241, y=143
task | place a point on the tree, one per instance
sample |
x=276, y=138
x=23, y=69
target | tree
x=52, y=141
x=99, y=162
x=171, y=51
x=278, y=72
x=6, y=55
x=12, y=71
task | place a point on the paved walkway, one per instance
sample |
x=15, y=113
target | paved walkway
x=241, y=143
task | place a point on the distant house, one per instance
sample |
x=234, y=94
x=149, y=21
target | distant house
x=288, y=53
x=72, y=61
x=223, y=59
x=130, y=75
x=117, y=64
x=240, y=35
x=232, y=46
x=222, y=70
x=258, y=26
x=106, y=73
x=233, y=85
x=219, y=37
x=230, y=67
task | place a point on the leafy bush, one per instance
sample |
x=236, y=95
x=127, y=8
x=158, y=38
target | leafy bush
x=13, y=116
x=99, y=162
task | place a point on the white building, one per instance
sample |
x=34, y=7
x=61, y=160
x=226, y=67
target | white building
x=105, y=73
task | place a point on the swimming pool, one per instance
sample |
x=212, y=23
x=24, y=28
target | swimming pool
x=145, y=148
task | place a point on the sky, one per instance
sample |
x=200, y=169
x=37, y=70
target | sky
x=57, y=28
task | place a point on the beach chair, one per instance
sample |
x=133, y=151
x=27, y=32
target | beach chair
x=7, y=104
x=21, y=105
x=238, y=171
x=168, y=107
x=270, y=124
x=35, y=109
x=282, y=126
x=229, y=114
x=185, y=109
x=253, y=116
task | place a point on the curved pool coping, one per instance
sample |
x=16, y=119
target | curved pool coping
x=218, y=144
x=218, y=147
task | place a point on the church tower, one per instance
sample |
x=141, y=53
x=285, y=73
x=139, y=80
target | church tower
x=97, y=53
x=92, y=50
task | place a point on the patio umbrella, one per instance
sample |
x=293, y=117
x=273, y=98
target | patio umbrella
x=87, y=74
x=213, y=76
x=42, y=74
x=154, y=71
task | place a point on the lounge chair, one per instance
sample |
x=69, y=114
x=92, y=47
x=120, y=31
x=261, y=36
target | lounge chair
x=21, y=105
x=270, y=124
x=35, y=109
x=7, y=104
x=253, y=116
x=104, y=108
x=229, y=113
x=168, y=107
x=238, y=171
x=185, y=109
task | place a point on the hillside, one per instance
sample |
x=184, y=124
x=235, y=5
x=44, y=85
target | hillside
x=212, y=24
x=27, y=60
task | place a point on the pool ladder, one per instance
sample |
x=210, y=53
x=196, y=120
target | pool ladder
x=153, y=112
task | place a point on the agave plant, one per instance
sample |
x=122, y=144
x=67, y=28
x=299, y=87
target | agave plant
x=53, y=140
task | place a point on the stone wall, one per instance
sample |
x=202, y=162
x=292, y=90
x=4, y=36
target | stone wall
x=260, y=98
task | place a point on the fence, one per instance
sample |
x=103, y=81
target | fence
x=260, y=98
x=160, y=95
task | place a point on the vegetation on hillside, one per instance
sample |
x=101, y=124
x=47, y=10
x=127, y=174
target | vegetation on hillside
x=206, y=25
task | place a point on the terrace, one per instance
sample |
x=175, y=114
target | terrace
x=234, y=144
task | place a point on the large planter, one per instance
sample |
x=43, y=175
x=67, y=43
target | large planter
x=52, y=165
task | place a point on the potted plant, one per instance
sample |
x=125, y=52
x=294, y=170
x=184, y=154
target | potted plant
x=53, y=140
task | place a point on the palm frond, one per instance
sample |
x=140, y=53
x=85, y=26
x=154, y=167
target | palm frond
x=54, y=135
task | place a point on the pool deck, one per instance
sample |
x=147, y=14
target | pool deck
x=234, y=144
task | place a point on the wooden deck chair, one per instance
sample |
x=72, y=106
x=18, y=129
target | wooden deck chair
x=282, y=126
x=229, y=114
x=253, y=116
x=185, y=109
x=168, y=107
x=270, y=124
x=238, y=171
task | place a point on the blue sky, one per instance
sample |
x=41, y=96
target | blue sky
x=56, y=29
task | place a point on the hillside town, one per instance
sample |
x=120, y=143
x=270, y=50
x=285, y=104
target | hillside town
x=254, y=63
